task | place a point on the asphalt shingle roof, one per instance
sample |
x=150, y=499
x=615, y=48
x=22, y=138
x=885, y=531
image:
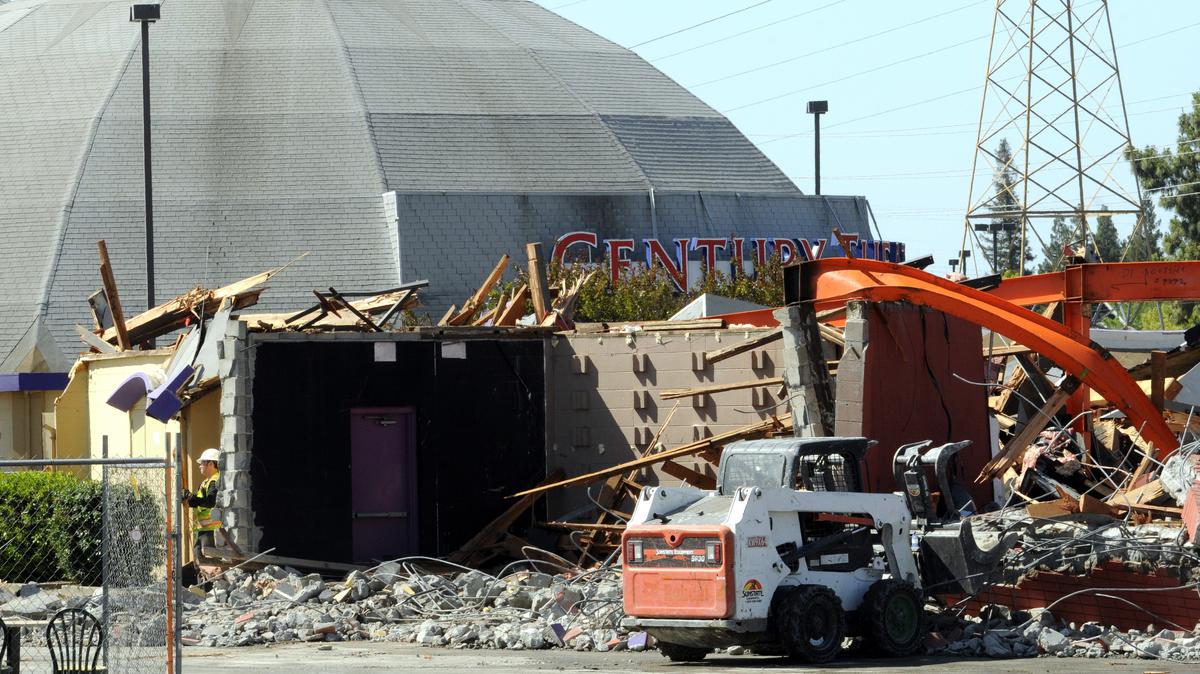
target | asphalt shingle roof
x=278, y=124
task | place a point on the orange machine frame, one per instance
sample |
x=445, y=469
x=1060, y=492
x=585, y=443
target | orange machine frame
x=840, y=279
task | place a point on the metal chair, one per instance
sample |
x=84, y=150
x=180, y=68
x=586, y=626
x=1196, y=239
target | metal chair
x=75, y=640
x=6, y=667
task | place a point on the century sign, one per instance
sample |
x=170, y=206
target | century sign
x=751, y=251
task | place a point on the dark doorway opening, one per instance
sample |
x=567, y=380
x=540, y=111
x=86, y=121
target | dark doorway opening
x=478, y=414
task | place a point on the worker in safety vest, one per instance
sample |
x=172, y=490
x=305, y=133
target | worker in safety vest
x=206, y=520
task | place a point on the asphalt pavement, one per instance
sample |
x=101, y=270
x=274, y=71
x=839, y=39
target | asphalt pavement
x=351, y=657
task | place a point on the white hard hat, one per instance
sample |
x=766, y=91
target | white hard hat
x=210, y=454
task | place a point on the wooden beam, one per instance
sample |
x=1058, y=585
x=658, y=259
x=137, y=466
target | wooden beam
x=516, y=309
x=1037, y=423
x=496, y=529
x=537, y=281
x=693, y=477
x=444, y=320
x=1158, y=368
x=476, y=302
x=1005, y=350
x=1178, y=363
x=672, y=394
x=781, y=424
x=173, y=313
x=582, y=526
x=744, y=346
x=93, y=341
x=265, y=560
x=1140, y=496
x=109, y=281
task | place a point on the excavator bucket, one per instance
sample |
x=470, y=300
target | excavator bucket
x=952, y=561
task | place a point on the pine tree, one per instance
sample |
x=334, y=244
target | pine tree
x=1062, y=234
x=1001, y=241
x=1143, y=243
x=1172, y=175
x=1106, y=239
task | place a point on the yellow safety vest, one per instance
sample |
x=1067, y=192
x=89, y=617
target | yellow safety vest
x=204, y=516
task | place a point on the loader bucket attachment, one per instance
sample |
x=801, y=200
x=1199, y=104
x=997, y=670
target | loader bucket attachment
x=952, y=562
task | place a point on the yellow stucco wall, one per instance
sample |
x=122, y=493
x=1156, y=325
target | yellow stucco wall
x=21, y=423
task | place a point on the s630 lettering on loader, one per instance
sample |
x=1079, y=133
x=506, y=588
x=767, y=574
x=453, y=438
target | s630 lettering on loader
x=787, y=553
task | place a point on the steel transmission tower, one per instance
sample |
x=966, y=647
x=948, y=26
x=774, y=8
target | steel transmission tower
x=1053, y=91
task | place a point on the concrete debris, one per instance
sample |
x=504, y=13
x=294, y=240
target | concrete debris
x=397, y=601
x=1026, y=635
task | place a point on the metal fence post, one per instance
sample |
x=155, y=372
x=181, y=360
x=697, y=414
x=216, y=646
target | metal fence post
x=105, y=530
x=177, y=580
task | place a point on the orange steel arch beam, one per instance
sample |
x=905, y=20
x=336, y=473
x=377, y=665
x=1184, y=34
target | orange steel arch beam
x=1105, y=282
x=845, y=279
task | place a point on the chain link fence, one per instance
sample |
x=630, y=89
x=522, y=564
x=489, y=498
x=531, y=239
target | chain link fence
x=91, y=536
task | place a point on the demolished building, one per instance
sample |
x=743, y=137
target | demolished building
x=409, y=139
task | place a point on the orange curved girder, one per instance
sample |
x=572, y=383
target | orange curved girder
x=845, y=279
x=1105, y=282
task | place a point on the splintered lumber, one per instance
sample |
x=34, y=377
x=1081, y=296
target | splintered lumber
x=515, y=309
x=672, y=394
x=744, y=346
x=564, y=304
x=109, y=281
x=831, y=334
x=1171, y=388
x=446, y=316
x=199, y=303
x=780, y=424
x=537, y=281
x=475, y=303
x=373, y=305
x=1177, y=364
x=1037, y=423
x=1144, y=494
x=497, y=528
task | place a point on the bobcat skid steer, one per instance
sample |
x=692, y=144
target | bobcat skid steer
x=786, y=554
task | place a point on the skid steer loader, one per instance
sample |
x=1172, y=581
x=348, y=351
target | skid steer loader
x=789, y=554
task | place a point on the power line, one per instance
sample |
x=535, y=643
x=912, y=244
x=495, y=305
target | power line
x=853, y=75
x=836, y=46
x=925, y=130
x=746, y=32
x=567, y=4
x=702, y=23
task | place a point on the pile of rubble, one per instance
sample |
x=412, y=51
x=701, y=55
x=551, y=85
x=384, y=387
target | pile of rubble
x=1000, y=633
x=398, y=601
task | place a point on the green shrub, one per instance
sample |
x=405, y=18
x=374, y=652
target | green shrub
x=27, y=504
x=51, y=528
x=647, y=293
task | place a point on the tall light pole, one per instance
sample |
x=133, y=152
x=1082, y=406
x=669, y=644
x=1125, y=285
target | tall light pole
x=147, y=14
x=816, y=109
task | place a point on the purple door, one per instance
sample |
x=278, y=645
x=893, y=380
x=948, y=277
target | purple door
x=383, y=475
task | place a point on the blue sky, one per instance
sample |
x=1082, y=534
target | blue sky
x=912, y=159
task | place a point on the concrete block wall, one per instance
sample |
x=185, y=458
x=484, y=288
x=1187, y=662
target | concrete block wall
x=604, y=398
x=236, y=366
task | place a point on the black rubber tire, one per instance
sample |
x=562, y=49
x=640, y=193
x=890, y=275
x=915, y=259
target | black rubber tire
x=678, y=653
x=810, y=623
x=893, y=618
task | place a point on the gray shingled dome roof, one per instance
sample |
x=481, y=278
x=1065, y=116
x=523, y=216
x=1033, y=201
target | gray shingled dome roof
x=279, y=124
